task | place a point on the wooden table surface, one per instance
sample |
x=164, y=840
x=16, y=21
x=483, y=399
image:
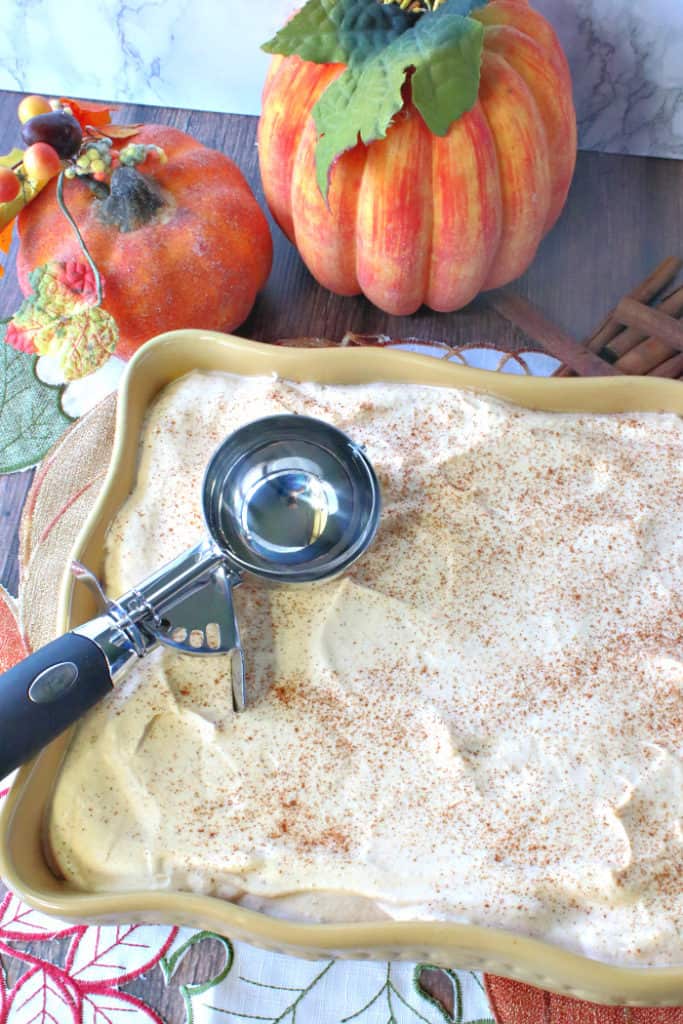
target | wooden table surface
x=623, y=216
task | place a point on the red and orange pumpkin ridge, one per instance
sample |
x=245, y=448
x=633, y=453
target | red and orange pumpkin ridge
x=414, y=218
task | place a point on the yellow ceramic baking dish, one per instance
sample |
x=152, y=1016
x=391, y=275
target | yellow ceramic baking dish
x=22, y=860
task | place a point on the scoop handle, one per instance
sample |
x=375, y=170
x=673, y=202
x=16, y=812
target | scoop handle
x=47, y=692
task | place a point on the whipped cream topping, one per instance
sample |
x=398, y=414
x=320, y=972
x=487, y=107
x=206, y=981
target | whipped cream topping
x=482, y=721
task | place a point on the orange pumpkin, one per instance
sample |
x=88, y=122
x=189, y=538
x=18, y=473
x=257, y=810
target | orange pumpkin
x=197, y=258
x=414, y=218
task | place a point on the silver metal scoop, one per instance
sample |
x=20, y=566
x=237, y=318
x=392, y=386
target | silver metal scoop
x=288, y=499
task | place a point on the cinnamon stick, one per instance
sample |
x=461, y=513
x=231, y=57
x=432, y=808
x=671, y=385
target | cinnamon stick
x=632, y=336
x=610, y=328
x=653, y=322
x=660, y=277
x=673, y=367
x=646, y=357
x=556, y=342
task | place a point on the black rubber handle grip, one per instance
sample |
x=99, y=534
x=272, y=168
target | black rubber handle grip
x=47, y=692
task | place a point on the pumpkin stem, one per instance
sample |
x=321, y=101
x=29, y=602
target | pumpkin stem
x=134, y=200
x=99, y=189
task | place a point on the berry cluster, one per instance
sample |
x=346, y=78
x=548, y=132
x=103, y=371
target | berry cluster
x=55, y=141
x=96, y=158
x=136, y=153
x=48, y=133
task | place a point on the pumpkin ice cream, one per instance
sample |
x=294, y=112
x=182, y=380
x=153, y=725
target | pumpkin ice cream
x=481, y=722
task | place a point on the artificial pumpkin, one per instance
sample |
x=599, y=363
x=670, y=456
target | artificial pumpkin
x=415, y=217
x=178, y=244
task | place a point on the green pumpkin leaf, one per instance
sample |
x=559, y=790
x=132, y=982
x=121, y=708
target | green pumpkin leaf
x=31, y=417
x=358, y=105
x=443, y=50
x=338, y=31
x=446, y=83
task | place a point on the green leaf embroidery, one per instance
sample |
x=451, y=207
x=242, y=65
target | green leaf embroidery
x=456, y=1018
x=169, y=964
x=444, y=52
x=31, y=417
x=392, y=996
x=288, y=1014
x=458, y=1015
x=337, y=31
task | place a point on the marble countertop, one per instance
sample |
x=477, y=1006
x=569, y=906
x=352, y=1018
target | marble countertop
x=626, y=58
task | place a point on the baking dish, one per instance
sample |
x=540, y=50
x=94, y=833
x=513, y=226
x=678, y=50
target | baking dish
x=22, y=862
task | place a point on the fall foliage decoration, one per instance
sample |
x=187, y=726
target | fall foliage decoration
x=111, y=205
x=125, y=231
x=172, y=227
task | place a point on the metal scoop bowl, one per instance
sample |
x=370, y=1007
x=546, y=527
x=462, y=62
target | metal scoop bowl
x=287, y=499
x=290, y=499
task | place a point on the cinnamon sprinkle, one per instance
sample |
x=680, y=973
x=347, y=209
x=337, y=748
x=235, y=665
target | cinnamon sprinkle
x=482, y=721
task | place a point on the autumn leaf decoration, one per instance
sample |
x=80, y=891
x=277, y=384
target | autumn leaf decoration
x=31, y=416
x=63, y=317
x=90, y=115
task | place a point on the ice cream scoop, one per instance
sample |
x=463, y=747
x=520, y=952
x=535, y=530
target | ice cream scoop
x=287, y=499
